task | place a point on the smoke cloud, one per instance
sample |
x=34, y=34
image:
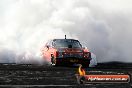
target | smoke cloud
x=103, y=26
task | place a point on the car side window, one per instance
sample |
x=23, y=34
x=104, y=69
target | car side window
x=50, y=43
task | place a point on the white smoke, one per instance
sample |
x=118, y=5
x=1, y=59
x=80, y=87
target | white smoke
x=103, y=26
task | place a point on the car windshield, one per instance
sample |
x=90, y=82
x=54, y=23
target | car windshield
x=67, y=44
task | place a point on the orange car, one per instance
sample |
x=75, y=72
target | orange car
x=66, y=52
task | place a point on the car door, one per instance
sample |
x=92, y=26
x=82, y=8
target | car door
x=49, y=50
x=45, y=51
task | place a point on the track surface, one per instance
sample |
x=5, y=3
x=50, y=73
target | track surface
x=34, y=76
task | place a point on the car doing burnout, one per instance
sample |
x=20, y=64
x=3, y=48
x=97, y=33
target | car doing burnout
x=66, y=52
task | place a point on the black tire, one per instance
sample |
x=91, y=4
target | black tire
x=53, y=60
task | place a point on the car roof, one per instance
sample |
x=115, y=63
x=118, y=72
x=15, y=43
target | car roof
x=65, y=39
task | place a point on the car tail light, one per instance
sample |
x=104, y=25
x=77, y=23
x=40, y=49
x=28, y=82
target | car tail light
x=87, y=54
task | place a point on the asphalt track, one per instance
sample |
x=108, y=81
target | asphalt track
x=35, y=76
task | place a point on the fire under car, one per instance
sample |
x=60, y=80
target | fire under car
x=66, y=52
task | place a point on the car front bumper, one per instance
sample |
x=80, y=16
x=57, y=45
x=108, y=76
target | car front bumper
x=71, y=61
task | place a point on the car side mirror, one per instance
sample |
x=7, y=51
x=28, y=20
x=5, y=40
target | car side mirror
x=47, y=46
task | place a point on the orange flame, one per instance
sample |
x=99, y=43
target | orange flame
x=81, y=71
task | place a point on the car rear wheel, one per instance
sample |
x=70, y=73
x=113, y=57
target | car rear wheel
x=53, y=60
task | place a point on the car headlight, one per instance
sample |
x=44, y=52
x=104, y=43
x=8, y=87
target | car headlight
x=87, y=54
